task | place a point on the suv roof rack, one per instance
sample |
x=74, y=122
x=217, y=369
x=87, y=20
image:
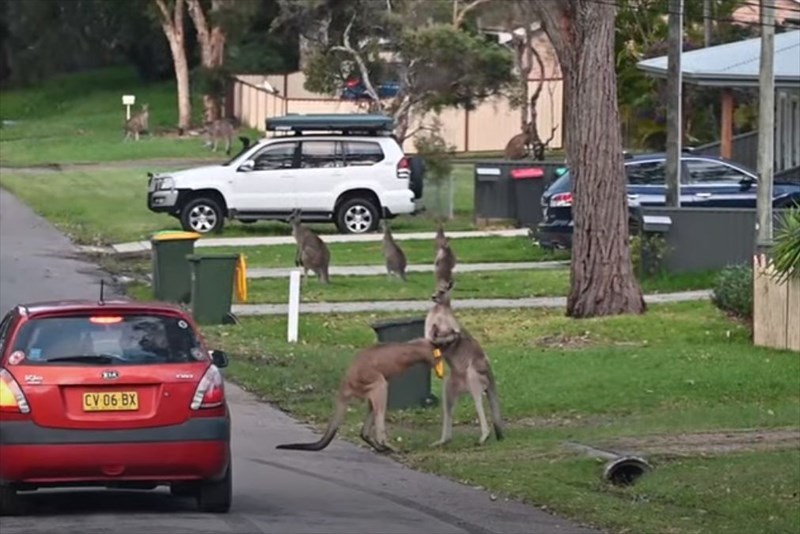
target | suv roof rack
x=346, y=123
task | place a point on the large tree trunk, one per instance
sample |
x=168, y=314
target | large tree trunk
x=601, y=274
x=172, y=24
x=212, y=41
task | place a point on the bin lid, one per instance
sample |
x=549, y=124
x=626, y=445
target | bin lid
x=529, y=172
x=174, y=235
x=202, y=257
x=401, y=321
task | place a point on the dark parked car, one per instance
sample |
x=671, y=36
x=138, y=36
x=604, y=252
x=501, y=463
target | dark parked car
x=706, y=182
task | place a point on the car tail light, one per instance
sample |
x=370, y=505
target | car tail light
x=210, y=392
x=561, y=200
x=11, y=397
x=403, y=168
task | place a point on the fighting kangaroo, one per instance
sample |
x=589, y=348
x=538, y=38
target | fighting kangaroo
x=312, y=253
x=367, y=379
x=468, y=365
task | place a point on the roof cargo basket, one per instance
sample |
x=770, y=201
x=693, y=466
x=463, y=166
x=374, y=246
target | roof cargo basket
x=345, y=123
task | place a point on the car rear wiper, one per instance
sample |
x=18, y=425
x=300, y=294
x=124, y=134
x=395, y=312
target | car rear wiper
x=100, y=359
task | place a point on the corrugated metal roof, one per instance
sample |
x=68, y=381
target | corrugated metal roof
x=735, y=64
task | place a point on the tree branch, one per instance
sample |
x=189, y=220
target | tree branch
x=459, y=16
x=200, y=22
x=347, y=47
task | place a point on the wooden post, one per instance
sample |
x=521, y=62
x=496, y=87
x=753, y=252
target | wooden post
x=726, y=135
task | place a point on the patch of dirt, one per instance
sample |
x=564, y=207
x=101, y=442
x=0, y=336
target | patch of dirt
x=560, y=421
x=711, y=443
x=564, y=341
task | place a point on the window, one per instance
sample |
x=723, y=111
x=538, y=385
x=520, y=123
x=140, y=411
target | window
x=362, y=153
x=278, y=156
x=109, y=340
x=703, y=171
x=647, y=173
x=321, y=155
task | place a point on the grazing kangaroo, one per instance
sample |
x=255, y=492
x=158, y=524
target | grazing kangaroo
x=139, y=122
x=367, y=378
x=395, y=258
x=469, y=367
x=312, y=253
x=218, y=130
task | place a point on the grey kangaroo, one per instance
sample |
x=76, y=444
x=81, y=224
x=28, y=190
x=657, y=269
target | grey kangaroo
x=445, y=260
x=312, y=253
x=468, y=365
x=139, y=122
x=394, y=255
x=218, y=130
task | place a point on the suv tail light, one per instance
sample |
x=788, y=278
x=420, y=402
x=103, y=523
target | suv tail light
x=403, y=168
x=11, y=397
x=561, y=200
x=210, y=392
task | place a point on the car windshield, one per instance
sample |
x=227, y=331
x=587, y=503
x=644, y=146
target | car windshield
x=245, y=147
x=108, y=339
x=560, y=185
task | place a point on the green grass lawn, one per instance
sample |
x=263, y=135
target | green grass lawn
x=489, y=284
x=681, y=368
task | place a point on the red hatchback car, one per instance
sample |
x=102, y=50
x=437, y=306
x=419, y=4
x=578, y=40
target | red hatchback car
x=114, y=394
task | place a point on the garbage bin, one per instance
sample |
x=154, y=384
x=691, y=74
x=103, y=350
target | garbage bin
x=212, y=287
x=171, y=272
x=528, y=189
x=412, y=389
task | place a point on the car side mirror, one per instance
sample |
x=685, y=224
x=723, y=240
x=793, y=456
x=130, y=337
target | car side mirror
x=747, y=183
x=247, y=166
x=219, y=358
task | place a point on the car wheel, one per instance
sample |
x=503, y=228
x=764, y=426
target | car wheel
x=357, y=216
x=202, y=215
x=9, y=502
x=215, y=496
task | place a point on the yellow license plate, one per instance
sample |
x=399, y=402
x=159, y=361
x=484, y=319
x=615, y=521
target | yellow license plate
x=111, y=401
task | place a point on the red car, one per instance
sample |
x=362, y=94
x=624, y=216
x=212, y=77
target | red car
x=114, y=394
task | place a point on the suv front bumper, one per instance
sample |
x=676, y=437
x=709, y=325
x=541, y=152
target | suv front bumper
x=165, y=201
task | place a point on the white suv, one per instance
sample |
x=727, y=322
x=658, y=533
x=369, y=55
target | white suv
x=352, y=177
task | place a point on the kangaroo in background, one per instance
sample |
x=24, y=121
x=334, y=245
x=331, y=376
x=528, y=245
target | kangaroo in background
x=469, y=367
x=368, y=378
x=394, y=255
x=218, y=130
x=445, y=260
x=139, y=122
x=312, y=253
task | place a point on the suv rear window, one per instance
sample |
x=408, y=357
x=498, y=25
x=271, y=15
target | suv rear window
x=362, y=153
x=108, y=340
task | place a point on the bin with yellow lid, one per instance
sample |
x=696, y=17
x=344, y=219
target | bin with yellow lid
x=172, y=276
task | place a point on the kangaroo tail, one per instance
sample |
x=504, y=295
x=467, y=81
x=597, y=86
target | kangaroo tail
x=494, y=405
x=339, y=413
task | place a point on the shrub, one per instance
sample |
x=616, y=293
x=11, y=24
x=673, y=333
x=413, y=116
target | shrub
x=733, y=290
x=648, y=254
x=786, y=252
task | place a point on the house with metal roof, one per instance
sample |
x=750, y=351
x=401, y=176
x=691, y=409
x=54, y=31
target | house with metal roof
x=736, y=65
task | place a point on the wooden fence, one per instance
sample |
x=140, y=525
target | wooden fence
x=776, y=308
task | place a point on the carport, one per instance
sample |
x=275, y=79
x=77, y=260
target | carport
x=735, y=66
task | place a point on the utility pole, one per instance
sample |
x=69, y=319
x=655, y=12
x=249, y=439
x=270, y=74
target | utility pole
x=707, y=23
x=674, y=101
x=766, y=127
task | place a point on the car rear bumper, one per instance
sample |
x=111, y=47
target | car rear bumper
x=33, y=455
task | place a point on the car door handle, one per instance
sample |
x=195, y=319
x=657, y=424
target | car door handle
x=703, y=195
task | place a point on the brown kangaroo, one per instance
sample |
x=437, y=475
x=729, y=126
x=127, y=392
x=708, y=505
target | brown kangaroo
x=138, y=123
x=394, y=255
x=312, y=253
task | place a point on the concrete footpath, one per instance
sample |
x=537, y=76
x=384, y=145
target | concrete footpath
x=424, y=305
x=206, y=242
x=376, y=270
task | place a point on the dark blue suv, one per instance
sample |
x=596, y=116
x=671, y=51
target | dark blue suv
x=706, y=182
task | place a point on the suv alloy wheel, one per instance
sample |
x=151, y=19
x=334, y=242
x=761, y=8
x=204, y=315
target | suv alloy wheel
x=357, y=216
x=202, y=215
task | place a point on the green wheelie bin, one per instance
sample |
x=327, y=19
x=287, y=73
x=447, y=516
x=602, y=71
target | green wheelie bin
x=171, y=271
x=411, y=389
x=212, y=287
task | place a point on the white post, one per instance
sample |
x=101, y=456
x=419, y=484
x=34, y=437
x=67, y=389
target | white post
x=294, y=306
x=128, y=101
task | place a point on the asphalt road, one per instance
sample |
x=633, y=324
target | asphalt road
x=343, y=489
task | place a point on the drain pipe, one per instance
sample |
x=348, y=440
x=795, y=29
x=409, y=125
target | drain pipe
x=620, y=470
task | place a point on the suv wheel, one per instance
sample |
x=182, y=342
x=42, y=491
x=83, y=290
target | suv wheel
x=215, y=496
x=202, y=215
x=357, y=216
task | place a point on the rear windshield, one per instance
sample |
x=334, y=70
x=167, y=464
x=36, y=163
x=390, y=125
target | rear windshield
x=108, y=340
x=560, y=185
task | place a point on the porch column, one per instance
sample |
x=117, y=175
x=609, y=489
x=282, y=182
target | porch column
x=726, y=135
